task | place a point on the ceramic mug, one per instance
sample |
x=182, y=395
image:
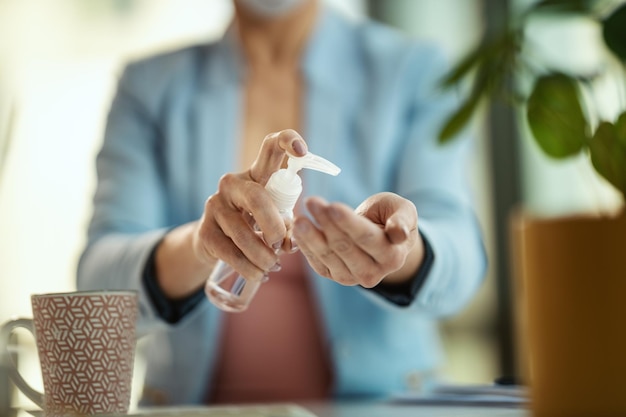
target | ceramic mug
x=86, y=345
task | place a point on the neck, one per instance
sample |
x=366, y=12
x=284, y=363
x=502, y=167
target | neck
x=278, y=41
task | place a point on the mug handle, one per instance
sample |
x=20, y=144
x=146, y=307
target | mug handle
x=6, y=361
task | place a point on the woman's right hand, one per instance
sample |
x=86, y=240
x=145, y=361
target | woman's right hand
x=188, y=253
x=226, y=229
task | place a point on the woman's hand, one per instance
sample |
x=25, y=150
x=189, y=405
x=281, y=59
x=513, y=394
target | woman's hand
x=377, y=241
x=226, y=229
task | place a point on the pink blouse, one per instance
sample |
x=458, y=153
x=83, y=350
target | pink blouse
x=275, y=350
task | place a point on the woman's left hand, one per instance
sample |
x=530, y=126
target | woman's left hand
x=377, y=241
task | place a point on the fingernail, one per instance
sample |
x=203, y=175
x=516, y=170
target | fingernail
x=265, y=278
x=276, y=246
x=294, y=246
x=298, y=147
x=276, y=267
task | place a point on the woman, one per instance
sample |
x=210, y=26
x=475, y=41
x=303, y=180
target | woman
x=364, y=98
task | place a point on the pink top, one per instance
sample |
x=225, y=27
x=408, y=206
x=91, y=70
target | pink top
x=275, y=350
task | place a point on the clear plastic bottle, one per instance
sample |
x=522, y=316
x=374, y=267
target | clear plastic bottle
x=226, y=288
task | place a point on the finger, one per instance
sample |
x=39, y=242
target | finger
x=272, y=153
x=322, y=259
x=293, y=246
x=289, y=244
x=365, y=234
x=396, y=233
x=217, y=244
x=359, y=262
x=371, y=238
x=248, y=197
x=397, y=215
x=401, y=223
x=240, y=245
x=249, y=242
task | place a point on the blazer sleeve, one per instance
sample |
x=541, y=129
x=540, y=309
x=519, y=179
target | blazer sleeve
x=435, y=178
x=129, y=216
x=438, y=184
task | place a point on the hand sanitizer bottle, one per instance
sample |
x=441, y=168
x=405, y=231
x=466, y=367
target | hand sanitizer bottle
x=227, y=289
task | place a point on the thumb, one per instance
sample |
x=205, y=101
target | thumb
x=397, y=232
x=402, y=222
x=272, y=153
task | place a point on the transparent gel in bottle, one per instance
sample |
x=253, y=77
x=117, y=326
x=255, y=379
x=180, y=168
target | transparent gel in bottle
x=226, y=288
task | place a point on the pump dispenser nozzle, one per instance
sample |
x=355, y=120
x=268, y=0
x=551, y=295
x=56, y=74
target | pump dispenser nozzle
x=312, y=161
x=285, y=186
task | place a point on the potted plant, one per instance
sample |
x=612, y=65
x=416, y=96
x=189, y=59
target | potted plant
x=556, y=112
x=571, y=269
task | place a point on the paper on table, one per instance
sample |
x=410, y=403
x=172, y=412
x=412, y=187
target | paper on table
x=468, y=395
x=487, y=389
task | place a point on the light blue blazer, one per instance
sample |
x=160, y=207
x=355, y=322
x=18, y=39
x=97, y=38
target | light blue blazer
x=373, y=108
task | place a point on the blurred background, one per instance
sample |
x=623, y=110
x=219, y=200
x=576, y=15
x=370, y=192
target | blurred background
x=59, y=63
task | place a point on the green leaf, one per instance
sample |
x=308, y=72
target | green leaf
x=495, y=65
x=464, y=66
x=568, y=6
x=608, y=156
x=459, y=119
x=620, y=128
x=555, y=116
x=489, y=52
x=614, y=32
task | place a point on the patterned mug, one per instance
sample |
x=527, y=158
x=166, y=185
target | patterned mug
x=86, y=345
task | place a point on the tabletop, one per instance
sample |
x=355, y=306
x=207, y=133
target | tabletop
x=325, y=409
x=386, y=409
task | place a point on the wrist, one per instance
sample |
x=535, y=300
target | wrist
x=179, y=271
x=404, y=293
x=412, y=264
